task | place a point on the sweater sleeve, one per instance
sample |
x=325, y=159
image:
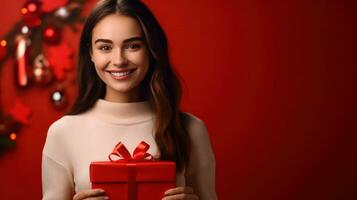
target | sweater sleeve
x=201, y=171
x=57, y=181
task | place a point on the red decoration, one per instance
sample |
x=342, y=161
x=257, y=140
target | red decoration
x=61, y=59
x=52, y=35
x=42, y=74
x=25, y=37
x=32, y=13
x=133, y=179
x=21, y=62
x=21, y=112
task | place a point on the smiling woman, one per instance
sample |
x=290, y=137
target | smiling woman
x=128, y=92
x=120, y=57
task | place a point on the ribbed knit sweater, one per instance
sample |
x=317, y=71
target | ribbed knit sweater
x=74, y=141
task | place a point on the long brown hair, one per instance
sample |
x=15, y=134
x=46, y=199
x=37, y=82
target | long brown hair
x=161, y=86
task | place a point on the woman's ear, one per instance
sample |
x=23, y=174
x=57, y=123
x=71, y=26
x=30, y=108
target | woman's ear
x=90, y=53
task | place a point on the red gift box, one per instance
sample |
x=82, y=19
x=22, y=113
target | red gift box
x=133, y=178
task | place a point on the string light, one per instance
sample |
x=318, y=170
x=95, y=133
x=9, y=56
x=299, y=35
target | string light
x=25, y=30
x=24, y=11
x=49, y=32
x=32, y=7
x=3, y=43
x=13, y=136
x=62, y=12
x=57, y=96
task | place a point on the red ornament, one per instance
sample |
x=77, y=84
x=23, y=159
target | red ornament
x=41, y=74
x=61, y=59
x=3, y=49
x=22, y=60
x=21, y=112
x=52, y=35
x=32, y=13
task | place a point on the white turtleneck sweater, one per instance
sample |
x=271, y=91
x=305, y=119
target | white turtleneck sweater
x=74, y=141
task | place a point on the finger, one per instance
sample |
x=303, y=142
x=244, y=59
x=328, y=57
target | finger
x=182, y=196
x=88, y=193
x=98, y=198
x=179, y=190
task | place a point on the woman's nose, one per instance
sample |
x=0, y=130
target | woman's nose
x=119, y=58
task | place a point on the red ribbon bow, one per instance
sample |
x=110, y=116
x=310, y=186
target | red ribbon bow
x=122, y=153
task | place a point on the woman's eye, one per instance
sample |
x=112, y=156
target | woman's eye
x=105, y=48
x=133, y=46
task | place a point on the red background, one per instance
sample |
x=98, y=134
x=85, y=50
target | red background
x=273, y=80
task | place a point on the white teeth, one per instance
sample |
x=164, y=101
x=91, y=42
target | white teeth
x=120, y=74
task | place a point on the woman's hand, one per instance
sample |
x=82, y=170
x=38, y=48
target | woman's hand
x=180, y=193
x=94, y=194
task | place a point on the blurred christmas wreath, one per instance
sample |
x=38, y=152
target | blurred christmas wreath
x=41, y=56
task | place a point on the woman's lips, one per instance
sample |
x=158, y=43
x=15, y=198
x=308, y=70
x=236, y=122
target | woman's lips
x=122, y=74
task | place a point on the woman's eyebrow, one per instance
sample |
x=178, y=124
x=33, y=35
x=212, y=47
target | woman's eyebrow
x=133, y=39
x=103, y=40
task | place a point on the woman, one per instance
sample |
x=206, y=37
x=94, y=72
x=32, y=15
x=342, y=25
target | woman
x=127, y=92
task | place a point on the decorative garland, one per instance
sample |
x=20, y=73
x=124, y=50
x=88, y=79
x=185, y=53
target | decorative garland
x=30, y=42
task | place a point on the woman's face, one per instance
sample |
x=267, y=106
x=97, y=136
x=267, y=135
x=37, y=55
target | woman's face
x=120, y=57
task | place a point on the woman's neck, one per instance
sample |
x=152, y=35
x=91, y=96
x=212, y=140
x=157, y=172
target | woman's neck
x=122, y=113
x=124, y=97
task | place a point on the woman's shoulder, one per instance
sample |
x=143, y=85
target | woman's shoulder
x=64, y=124
x=196, y=127
x=202, y=153
x=64, y=121
x=192, y=119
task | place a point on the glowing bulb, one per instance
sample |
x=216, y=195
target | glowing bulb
x=32, y=7
x=13, y=136
x=3, y=43
x=62, y=12
x=25, y=30
x=56, y=96
x=24, y=11
x=49, y=32
x=38, y=72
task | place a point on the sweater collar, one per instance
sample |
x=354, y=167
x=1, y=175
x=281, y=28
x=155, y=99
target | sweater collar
x=122, y=113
